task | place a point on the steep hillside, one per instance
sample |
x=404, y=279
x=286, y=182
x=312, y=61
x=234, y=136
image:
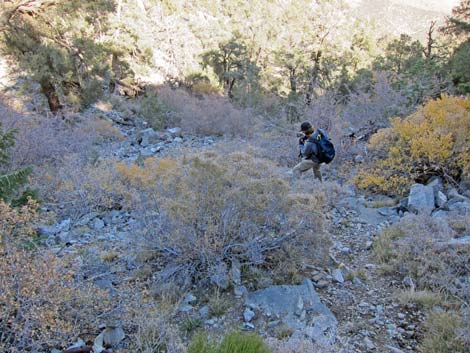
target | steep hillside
x=398, y=16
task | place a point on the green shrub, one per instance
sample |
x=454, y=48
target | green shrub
x=153, y=110
x=232, y=343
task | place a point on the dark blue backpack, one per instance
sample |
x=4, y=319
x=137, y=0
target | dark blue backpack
x=326, y=150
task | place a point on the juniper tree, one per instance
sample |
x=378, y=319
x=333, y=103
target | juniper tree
x=59, y=43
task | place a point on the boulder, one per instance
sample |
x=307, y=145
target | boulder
x=175, y=132
x=421, y=199
x=283, y=302
x=149, y=137
x=440, y=199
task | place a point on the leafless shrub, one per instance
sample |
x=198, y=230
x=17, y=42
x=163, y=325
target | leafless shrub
x=205, y=115
x=375, y=107
x=214, y=208
x=413, y=248
x=45, y=141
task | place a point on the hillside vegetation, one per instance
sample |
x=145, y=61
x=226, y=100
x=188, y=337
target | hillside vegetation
x=146, y=203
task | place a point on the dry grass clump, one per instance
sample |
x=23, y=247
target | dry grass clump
x=215, y=208
x=441, y=333
x=411, y=247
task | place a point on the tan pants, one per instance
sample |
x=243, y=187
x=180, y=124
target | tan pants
x=305, y=165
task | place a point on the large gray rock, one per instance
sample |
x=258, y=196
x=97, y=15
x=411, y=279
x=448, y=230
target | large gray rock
x=421, y=199
x=283, y=302
x=149, y=137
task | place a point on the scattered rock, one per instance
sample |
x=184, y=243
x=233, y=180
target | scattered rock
x=421, y=199
x=338, y=276
x=440, y=199
x=394, y=350
x=98, y=224
x=204, y=311
x=240, y=291
x=236, y=273
x=408, y=282
x=359, y=159
x=282, y=301
x=189, y=299
x=248, y=315
x=175, y=132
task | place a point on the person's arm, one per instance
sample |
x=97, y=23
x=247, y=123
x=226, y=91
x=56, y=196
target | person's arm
x=310, y=149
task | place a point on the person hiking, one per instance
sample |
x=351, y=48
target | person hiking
x=308, y=151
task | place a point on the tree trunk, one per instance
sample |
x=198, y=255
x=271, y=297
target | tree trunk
x=313, y=78
x=293, y=81
x=50, y=92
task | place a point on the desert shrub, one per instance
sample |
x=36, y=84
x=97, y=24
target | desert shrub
x=412, y=248
x=156, y=335
x=232, y=343
x=441, y=333
x=41, y=141
x=42, y=306
x=153, y=110
x=204, y=115
x=432, y=141
x=214, y=208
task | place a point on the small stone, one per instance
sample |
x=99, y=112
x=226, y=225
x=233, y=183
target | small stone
x=190, y=298
x=175, y=131
x=368, y=343
x=345, y=250
x=369, y=245
x=240, y=291
x=178, y=140
x=248, y=326
x=186, y=308
x=210, y=322
x=408, y=282
x=401, y=316
x=98, y=224
x=321, y=284
x=358, y=159
x=204, y=311
x=394, y=350
x=248, y=315
x=441, y=199
x=299, y=307
x=338, y=276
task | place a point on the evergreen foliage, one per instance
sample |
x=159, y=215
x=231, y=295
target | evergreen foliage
x=11, y=182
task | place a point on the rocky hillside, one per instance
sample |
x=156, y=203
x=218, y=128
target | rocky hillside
x=398, y=16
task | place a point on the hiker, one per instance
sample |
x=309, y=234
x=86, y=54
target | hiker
x=315, y=148
x=308, y=151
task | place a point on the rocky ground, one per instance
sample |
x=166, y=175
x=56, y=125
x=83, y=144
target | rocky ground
x=346, y=303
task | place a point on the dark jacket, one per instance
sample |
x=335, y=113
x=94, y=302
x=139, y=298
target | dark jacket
x=310, y=149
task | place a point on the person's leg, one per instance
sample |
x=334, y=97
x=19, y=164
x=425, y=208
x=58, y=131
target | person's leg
x=303, y=166
x=317, y=171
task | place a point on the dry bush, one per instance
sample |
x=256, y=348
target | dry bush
x=206, y=115
x=441, y=334
x=412, y=248
x=45, y=141
x=213, y=209
x=433, y=141
x=156, y=335
x=41, y=305
x=375, y=106
x=81, y=187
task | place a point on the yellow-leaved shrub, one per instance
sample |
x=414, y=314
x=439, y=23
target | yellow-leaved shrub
x=433, y=141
